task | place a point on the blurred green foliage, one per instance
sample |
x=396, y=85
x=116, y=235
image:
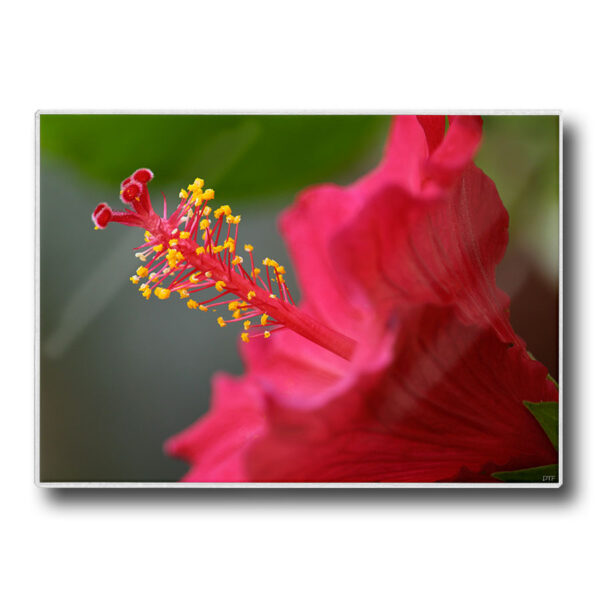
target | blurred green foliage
x=281, y=153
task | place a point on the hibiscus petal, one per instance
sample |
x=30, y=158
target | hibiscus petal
x=434, y=127
x=397, y=253
x=307, y=227
x=452, y=400
x=455, y=152
x=216, y=443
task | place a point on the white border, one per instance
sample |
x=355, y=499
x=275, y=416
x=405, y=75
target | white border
x=362, y=485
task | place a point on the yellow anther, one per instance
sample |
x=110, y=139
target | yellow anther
x=200, y=250
x=134, y=279
x=173, y=243
x=158, y=248
x=266, y=261
x=152, y=276
x=162, y=293
x=263, y=319
x=248, y=247
x=220, y=286
x=96, y=227
x=221, y=322
x=256, y=271
x=194, y=278
x=202, y=308
x=183, y=293
x=192, y=304
x=223, y=210
x=143, y=287
x=197, y=185
x=237, y=260
x=184, y=235
x=147, y=293
x=208, y=194
x=147, y=235
x=208, y=274
x=237, y=314
x=237, y=219
x=142, y=271
x=183, y=194
x=280, y=270
x=247, y=324
x=206, y=211
x=272, y=296
x=233, y=305
x=251, y=294
x=204, y=224
x=267, y=335
x=245, y=337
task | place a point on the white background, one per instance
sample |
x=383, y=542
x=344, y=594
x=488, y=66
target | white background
x=336, y=56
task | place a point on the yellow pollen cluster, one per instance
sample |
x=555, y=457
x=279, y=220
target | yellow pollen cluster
x=147, y=236
x=183, y=293
x=162, y=293
x=237, y=260
x=263, y=319
x=269, y=262
x=184, y=235
x=221, y=322
x=134, y=279
x=174, y=257
x=234, y=220
x=199, y=250
x=245, y=337
x=248, y=247
x=173, y=243
x=204, y=224
x=247, y=324
x=158, y=248
x=251, y=294
x=142, y=271
x=222, y=210
x=220, y=286
x=192, y=304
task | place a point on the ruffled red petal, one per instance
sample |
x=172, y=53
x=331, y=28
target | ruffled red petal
x=452, y=399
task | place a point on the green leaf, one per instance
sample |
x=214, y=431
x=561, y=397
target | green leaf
x=546, y=474
x=546, y=414
x=246, y=156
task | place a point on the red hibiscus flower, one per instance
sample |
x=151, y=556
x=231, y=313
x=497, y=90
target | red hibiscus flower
x=400, y=364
